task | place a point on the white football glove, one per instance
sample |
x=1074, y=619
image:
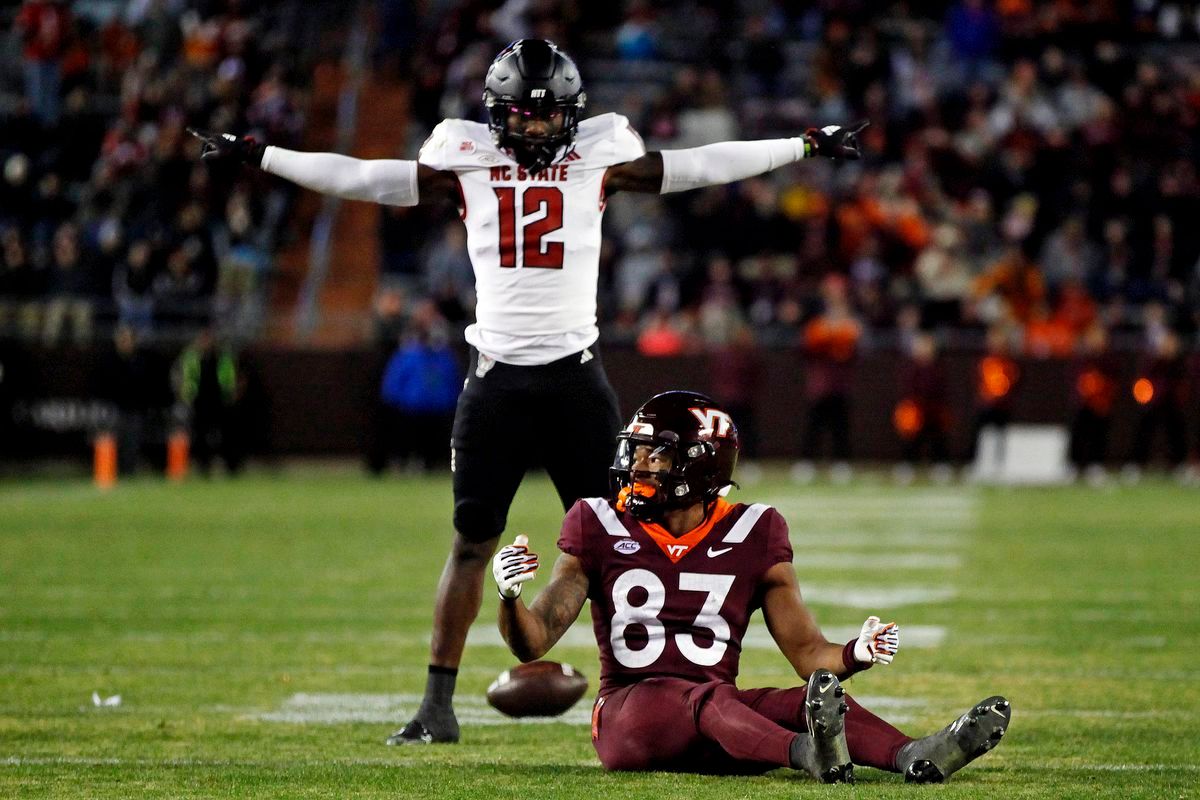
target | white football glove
x=878, y=642
x=512, y=566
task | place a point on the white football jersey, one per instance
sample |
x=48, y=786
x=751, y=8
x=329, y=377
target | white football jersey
x=534, y=242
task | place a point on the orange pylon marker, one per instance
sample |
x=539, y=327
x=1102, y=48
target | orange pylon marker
x=104, y=461
x=178, y=444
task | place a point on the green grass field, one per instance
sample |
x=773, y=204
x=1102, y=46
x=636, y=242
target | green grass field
x=266, y=634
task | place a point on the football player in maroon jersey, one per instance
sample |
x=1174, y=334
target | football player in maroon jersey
x=673, y=572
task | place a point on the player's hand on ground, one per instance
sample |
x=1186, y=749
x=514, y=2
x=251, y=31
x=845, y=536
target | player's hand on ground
x=878, y=642
x=512, y=566
x=834, y=141
x=227, y=147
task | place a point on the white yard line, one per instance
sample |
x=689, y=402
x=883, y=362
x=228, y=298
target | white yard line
x=861, y=536
x=881, y=599
x=336, y=708
x=915, y=637
x=757, y=637
x=839, y=558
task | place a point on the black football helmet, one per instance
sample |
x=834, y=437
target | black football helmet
x=701, y=442
x=533, y=77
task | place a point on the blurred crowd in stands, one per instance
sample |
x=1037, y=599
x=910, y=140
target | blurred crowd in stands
x=1028, y=190
x=107, y=218
x=1030, y=166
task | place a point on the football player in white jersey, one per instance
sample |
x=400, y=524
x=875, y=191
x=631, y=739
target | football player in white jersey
x=531, y=186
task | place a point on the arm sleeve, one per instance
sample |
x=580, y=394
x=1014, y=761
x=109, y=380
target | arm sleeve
x=725, y=162
x=391, y=182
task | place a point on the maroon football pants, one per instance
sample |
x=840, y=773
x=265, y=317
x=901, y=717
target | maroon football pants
x=679, y=726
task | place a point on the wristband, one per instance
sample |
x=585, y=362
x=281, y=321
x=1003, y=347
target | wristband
x=853, y=665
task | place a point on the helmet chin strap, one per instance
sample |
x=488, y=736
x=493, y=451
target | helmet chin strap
x=534, y=157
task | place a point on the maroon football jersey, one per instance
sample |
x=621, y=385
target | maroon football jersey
x=680, y=614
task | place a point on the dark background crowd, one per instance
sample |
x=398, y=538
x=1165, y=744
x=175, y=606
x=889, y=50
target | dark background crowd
x=1030, y=165
x=1028, y=189
x=106, y=216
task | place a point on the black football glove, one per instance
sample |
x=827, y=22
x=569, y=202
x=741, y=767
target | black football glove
x=229, y=148
x=834, y=141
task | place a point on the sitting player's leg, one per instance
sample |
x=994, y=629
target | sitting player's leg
x=787, y=708
x=872, y=742
x=653, y=725
x=824, y=752
x=731, y=718
x=933, y=759
x=488, y=465
x=741, y=732
x=649, y=725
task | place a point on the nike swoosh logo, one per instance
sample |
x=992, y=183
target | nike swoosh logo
x=714, y=553
x=825, y=688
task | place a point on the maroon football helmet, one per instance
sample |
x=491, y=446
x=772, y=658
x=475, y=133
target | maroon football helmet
x=700, y=441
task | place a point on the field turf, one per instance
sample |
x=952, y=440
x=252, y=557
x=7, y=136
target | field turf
x=265, y=635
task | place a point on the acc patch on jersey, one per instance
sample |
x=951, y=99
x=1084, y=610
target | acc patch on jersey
x=626, y=546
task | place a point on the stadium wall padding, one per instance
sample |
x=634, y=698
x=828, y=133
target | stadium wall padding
x=319, y=402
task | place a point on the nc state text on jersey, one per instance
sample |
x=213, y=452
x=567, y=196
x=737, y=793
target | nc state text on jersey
x=552, y=173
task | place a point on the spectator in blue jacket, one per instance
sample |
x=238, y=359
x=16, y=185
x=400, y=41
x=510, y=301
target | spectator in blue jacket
x=419, y=391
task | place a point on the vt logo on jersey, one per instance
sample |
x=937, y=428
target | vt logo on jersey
x=713, y=421
x=676, y=551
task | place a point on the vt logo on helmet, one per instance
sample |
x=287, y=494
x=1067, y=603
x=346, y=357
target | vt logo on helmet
x=533, y=95
x=679, y=449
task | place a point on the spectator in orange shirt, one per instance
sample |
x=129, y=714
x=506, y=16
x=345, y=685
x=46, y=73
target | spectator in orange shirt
x=830, y=345
x=996, y=378
x=1161, y=392
x=922, y=417
x=661, y=337
x=1011, y=287
x=1048, y=336
x=1095, y=390
x=1075, y=307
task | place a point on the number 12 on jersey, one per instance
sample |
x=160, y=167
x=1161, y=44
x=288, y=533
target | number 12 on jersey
x=535, y=252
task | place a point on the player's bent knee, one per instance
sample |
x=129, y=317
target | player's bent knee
x=472, y=554
x=623, y=758
x=477, y=523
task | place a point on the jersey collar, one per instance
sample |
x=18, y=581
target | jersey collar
x=676, y=547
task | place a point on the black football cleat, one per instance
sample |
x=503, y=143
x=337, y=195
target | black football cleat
x=933, y=759
x=415, y=732
x=823, y=752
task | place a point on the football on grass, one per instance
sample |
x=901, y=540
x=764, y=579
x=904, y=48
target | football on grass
x=536, y=689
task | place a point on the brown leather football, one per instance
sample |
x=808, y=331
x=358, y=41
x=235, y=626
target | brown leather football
x=536, y=689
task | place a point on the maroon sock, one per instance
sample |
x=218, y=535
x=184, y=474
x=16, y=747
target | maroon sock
x=873, y=742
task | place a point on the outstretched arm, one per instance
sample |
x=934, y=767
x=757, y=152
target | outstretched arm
x=793, y=628
x=531, y=632
x=726, y=162
x=795, y=631
x=388, y=181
